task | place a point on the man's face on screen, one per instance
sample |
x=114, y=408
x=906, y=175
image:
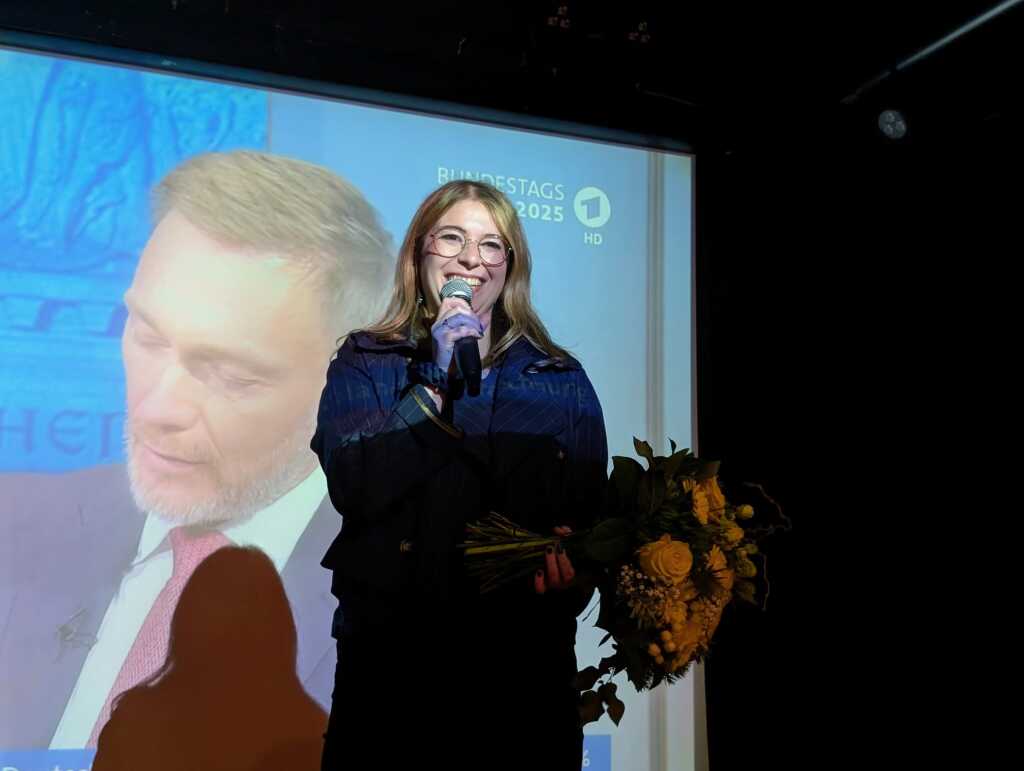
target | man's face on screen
x=225, y=355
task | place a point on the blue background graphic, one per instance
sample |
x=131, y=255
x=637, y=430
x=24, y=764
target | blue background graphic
x=81, y=146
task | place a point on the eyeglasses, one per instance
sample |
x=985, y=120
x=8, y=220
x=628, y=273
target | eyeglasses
x=451, y=242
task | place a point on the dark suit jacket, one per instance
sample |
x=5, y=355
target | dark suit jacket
x=67, y=541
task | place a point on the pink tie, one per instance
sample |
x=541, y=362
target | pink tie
x=148, y=652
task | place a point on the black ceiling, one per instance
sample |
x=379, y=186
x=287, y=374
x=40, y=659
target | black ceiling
x=720, y=75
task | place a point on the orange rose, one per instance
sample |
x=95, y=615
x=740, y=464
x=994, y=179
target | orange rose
x=666, y=559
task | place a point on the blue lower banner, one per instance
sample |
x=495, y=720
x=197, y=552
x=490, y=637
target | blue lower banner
x=597, y=752
x=597, y=756
x=46, y=760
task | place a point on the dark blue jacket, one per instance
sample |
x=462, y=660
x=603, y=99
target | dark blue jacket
x=406, y=482
x=389, y=458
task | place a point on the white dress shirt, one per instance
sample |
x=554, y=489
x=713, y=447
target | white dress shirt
x=275, y=529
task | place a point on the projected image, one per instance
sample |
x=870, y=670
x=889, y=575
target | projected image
x=179, y=259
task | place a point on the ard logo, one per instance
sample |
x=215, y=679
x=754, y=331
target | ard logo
x=593, y=209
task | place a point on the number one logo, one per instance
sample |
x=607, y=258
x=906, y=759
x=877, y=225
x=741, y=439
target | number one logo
x=593, y=209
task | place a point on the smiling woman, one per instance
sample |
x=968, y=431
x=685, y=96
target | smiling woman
x=448, y=252
x=424, y=265
x=410, y=461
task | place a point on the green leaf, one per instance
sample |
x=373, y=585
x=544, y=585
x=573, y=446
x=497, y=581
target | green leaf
x=672, y=445
x=651, y=493
x=606, y=617
x=614, y=663
x=586, y=678
x=636, y=675
x=658, y=676
x=676, y=462
x=746, y=591
x=643, y=449
x=609, y=542
x=708, y=469
x=626, y=476
x=616, y=709
x=590, y=708
x=638, y=662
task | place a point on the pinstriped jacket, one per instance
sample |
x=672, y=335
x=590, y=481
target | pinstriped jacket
x=406, y=481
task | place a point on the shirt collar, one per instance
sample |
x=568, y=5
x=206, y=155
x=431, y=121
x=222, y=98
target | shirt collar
x=275, y=529
x=154, y=538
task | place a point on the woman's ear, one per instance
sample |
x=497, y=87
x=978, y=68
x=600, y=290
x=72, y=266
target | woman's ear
x=422, y=305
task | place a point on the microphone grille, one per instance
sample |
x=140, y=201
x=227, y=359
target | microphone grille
x=457, y=287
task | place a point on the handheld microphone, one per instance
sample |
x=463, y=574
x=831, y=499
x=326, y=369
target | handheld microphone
x=467, y=352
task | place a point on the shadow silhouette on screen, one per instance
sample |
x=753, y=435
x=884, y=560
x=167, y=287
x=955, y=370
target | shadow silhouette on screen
x=228, y=696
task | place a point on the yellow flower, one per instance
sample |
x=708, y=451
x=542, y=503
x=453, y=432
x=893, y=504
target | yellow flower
x=709, y=614
x=666, y=559
x=726, y=578
x=716, y=560
x=734, y=534
x=675, y=612
x=715, y=497
x=746, y=511
x=746, y=569
x=687, y=591
x=688, y=640
x=719, y=567
x=701, y=505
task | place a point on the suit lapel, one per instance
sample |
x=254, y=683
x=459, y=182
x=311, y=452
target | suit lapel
x=308, y=586
x=67, y=575
x=88, y=528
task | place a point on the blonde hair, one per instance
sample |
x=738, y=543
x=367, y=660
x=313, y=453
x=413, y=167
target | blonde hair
x=295, y=209
x=513, y=316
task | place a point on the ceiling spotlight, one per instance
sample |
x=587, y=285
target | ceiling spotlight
x=892, y=124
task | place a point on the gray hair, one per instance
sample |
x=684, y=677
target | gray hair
x=292, y=209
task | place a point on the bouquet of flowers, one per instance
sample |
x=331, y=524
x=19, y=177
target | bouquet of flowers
x=668, y=554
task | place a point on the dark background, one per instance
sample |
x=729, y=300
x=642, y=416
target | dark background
x=855, y=299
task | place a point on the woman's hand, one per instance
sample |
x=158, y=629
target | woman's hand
x=558, y=572
x=455, y=320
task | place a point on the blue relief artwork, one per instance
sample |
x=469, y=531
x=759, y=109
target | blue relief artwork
x=81, y=146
